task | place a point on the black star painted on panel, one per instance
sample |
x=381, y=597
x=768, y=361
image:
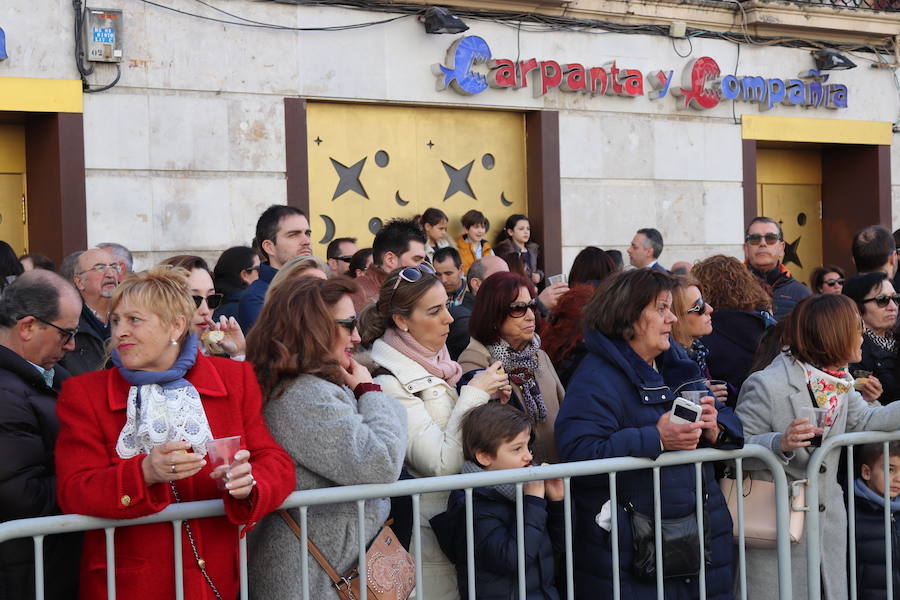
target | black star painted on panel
x=790, y=253
x=318, y=140
x=459, y=180
x=349, y=179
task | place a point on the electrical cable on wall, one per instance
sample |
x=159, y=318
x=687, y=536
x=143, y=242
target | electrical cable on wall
x=84, y=71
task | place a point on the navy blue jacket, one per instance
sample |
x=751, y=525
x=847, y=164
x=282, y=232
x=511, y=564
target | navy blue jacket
x=613, y=403
x=732, y=345
x=496, y=554
x=882, y=364
x=254, y=296
x=870, y=580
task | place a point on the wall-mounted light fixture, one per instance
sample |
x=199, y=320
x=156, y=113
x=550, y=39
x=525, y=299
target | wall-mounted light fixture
x=829, y=59
x=441, y=20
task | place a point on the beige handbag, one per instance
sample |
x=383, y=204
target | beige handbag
x=759, y=510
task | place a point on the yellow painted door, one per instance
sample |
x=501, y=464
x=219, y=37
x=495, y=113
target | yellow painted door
x=369, y=164
x=13, y=226
x=789, y=185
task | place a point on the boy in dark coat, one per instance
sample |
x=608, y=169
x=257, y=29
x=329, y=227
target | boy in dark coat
x=869, y=492
x=496, y=436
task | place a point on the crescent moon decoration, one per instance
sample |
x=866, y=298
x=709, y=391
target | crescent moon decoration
x=400, y=200
x=329, y=229
x=503, y=200
x=375, y=225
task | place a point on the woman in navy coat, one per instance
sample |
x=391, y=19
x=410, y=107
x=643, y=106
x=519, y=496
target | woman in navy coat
x=618, y=404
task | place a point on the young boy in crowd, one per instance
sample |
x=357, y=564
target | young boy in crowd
x=869, y=490
x=496, y=436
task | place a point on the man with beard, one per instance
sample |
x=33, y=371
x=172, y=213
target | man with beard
x=763, y=250
x=96, y=274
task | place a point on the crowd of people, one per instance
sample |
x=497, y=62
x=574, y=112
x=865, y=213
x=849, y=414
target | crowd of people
x=424, y=356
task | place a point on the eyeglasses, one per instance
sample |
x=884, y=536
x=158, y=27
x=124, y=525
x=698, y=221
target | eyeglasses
x=251, y=269
x=348, y=324
x=411, y=275
x=518, y=309
x=883, y=301
x=754, y=239
x=212, y=301
x=833, y=282
x=65, y=334
x=100, y=267
x=699, y=306
x=345, y=259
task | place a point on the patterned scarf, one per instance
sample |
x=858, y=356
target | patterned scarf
x=886, y=343
x=522, y=368
x=699, y=353
x=829, y=388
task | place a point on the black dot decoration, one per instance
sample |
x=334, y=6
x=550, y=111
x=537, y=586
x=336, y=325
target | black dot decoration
x=382, y=159
x=375, y=225
x=487, y=161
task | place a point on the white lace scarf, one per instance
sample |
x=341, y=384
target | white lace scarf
x=164, y=416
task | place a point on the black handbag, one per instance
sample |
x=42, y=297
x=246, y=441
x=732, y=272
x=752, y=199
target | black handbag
x=680, y=540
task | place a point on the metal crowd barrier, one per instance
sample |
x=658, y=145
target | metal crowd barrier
x=813, y=544
x=40, y=527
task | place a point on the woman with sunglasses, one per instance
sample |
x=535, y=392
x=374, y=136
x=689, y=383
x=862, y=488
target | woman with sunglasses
x=827, y=279
x=335, y=423
x=876, y=372
x=694, y=322
x=407, y=328
x=206, y=299
x=502, y=326
x=235, y=270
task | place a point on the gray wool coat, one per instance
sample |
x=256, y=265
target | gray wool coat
x=334, y=440
x=769, y=400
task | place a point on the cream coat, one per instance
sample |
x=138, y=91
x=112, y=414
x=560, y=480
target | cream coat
x=770, y=399
x=433, y=414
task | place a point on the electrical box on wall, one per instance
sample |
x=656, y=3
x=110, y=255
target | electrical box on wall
x=104, y=35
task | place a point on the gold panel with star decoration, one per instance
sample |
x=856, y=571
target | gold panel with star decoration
x=369, y=164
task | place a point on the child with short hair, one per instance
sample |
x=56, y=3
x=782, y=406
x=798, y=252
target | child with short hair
x=496, y=436
x=471, y=244
x=869, y=491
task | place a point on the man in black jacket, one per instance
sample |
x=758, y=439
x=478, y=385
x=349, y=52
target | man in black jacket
x=763, y=250
x=39, y=315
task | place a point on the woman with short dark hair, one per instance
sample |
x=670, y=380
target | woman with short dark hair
x=827, y=279
x=876, y=371
x=619, y=403
x=823, y=335
x=592, y=265
x=235, y=270
x=502, y=326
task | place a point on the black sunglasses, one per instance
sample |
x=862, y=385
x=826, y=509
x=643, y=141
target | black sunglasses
x=518, y=309
x=348, y=324
x=754, y=239
x=65, y=334
x=251, y=269
x=833, y=282
x=212, y=301
x=883, y=300
x=346, y=259
x=699, y=306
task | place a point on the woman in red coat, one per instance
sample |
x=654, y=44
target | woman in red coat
x=133, y=440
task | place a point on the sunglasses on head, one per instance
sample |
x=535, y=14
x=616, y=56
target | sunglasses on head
x=212, y=301
x=883, y=300
x=348, y=324
x=412, y=275
x=833, y=282
x=518, y=309
x=755, y=239
x=699, y=306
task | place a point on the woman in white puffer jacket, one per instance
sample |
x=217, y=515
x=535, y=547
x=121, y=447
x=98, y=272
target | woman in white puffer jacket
x=407, y=328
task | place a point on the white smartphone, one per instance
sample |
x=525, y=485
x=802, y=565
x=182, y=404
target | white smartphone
x=685, y=411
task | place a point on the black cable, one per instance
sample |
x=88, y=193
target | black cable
x=107, y=86
x=690, y=51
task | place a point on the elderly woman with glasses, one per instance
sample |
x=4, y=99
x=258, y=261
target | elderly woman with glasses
x=503, y=329
x=876, y=371
x=827, y=279
x=134, y=439
x=407, y=328
x=230, y=339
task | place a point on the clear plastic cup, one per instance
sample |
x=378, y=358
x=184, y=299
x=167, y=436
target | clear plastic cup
x=694, y=395
x=561, y=278
x=816, y=418
x=220, y=454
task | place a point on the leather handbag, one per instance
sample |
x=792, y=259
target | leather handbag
x=390, y=570
x=759, y=510
x=680, y=540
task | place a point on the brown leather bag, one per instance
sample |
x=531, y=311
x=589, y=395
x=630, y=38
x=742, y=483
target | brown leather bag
x=390, y=570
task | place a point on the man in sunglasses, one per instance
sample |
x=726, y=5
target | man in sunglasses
x=39, y=314
x=763, y=251
x=95, y=274
x=339, y=253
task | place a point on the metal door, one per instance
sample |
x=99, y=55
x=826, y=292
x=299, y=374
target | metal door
x=369, y=164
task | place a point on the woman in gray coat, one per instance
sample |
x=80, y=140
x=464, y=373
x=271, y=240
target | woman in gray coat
x=337, y=426
x=824, y=334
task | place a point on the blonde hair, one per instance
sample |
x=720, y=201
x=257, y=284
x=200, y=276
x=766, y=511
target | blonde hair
x=162, y=290
x=294, y=268
x=680, y=308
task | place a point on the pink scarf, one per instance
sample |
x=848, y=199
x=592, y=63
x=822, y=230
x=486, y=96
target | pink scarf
x=437, y=363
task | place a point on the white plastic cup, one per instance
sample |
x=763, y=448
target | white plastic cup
x=554, y=279
x=220, y=454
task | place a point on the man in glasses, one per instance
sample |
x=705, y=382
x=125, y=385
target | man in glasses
x=400, y=243
x=763, y=251
x=874, y=250
x=95, y=274
x=339, y=253
x=39, y=313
